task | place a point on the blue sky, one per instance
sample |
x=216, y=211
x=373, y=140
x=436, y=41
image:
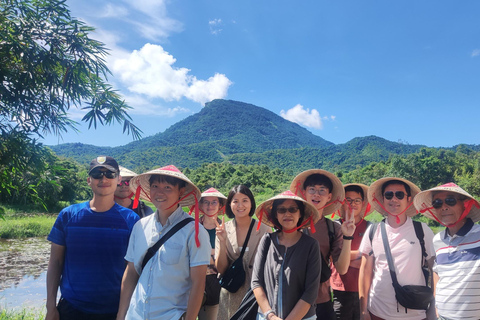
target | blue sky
x=405, y=71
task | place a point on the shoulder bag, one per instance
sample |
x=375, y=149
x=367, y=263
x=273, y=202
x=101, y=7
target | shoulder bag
x=409, y=296
x=234, y=277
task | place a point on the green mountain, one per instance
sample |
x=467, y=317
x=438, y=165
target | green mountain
x=240, y=133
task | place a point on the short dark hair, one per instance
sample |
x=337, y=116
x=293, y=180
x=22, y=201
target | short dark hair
x=318, y=179
x=390, y=182
x=159, y=178
x=356, y=189
x=278, y=202
x=243, y=189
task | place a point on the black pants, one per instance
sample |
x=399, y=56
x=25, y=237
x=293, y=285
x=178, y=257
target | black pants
x=68, y=312
x=346, y=305
x=325, y=311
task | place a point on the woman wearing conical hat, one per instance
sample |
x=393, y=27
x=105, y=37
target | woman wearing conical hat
x=211, y=204
x=123, y=194
x=171, y=283
x=287, y=268
x=457, y=247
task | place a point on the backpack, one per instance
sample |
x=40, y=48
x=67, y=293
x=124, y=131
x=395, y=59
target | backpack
x=326, y=272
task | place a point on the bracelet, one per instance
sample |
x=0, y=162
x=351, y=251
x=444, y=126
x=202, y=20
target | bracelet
x=267, y=313
x=347, y=238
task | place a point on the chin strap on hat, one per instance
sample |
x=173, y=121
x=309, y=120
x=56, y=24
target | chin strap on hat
x=304, y=223
x=197, y=213
x=298, y=189
x=468, y=206
x=127, y=197
x=397, y=219
x=137, y=197
x=260, y=218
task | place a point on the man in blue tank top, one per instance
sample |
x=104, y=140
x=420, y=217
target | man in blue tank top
x=89, y=241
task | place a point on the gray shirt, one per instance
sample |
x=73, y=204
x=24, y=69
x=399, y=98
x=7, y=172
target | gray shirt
x=300, y=273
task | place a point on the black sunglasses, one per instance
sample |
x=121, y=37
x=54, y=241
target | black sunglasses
x=398, y=194
x=283, y=210
x=438, y=203
x=125, y=182
x=101, y=174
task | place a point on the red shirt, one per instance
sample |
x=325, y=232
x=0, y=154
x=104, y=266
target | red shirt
x=349, y=281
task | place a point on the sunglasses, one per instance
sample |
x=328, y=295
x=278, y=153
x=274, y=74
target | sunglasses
x=100, y=174
x=438, y=203
x=283, y=210
x=125, y=182
x=398, y=194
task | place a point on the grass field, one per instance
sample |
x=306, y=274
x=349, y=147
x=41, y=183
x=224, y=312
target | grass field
x=22, y=315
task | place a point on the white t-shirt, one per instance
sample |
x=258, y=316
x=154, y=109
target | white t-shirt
x=407, y=257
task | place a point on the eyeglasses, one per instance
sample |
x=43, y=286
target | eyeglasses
x=101, y=174
x=321, y=191
x=398, y=194
x=125, y=182
x=283, y=210
x=207, y=203
x=438, y=203
x=355, y=201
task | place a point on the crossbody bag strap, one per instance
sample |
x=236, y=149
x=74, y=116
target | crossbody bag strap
x=420, y=235
x=153, y=249
x=388, y=253
x=246, y=239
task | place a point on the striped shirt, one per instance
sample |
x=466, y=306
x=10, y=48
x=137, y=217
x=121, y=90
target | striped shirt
x=458, y=267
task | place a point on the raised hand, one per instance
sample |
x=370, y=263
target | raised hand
x=220, y=230
x=348, y=225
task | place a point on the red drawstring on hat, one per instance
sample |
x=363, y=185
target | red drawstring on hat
x=137, y=197
x=127, y=197
x=397, y=219
x=304, y=223
x=468, y=206
x=197, y=213
x=299, y=189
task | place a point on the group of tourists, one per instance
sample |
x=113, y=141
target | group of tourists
x=309, y=254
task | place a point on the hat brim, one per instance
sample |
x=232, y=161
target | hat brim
x=338, y=192
x=142, y=180
x=423, y=200
x=365, y=201
x=266, y=206
x=125, y=173
x=375, y=194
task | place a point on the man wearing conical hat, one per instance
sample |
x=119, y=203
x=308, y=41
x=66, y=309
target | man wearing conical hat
x=325, y=192
x=171, y=284
x=123, y=194
x=89, y=242
x=345, y=287
x=457, y=248
x=393, y=198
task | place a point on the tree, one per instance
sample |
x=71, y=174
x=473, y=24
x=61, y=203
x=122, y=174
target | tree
x=49, y=64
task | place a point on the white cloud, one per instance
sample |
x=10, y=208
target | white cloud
x=215, y=26
x=113, y=11
x=311, y=119
x=475, y=53
x=150, y=71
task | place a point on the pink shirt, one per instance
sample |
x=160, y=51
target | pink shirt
x=407, y=255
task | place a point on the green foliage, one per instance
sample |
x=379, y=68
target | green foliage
x=48, y=64
x=26, y=226
x=263, y=181
x=25, y=314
